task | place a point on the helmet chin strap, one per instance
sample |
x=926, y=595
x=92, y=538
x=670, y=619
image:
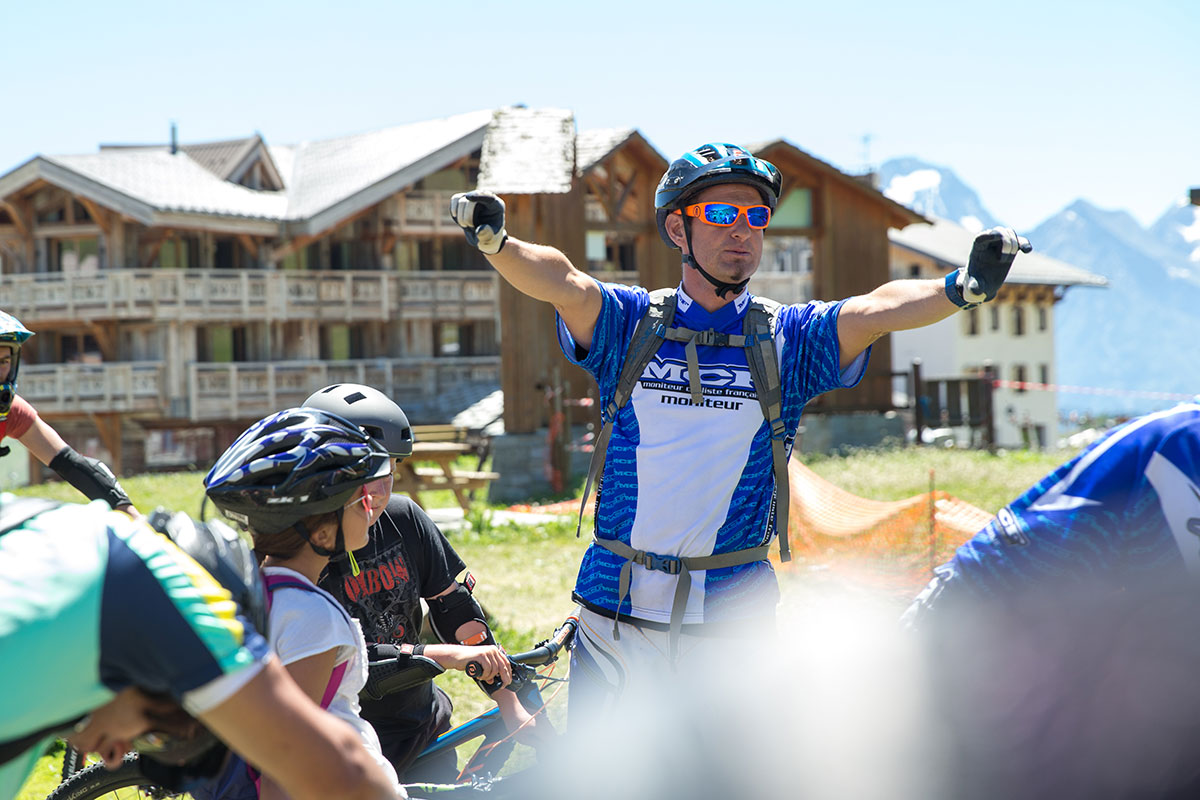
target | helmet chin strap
x=339, y=545
x=722, y=288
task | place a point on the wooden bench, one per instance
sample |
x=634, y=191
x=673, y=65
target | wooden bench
x=434, y=478
x=443, y=445
x=481, y=444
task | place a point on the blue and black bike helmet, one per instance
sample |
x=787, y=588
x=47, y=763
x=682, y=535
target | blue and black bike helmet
x=12, y=334
x=709, y=165
x=291, y=465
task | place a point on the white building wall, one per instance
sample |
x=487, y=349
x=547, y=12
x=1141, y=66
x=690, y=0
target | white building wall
x=948, y=349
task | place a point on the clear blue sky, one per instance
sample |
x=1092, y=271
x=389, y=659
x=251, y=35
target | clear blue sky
x=1033, y=104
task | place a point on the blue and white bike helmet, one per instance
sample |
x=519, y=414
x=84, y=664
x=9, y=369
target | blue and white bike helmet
x=291, y=465
x=12, y=334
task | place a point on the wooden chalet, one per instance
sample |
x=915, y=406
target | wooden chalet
x=179, y=291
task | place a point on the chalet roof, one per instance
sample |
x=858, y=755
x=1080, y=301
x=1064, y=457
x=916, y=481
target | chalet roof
x=851, y=181
x=529, y=151
x=222, y=158
x=226, y=159
x=151, y=180
x=950, y=244
x=325, y=180
x=333, y=178
x=591, y=147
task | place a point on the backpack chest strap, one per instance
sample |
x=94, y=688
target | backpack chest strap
x=708, y=338
x=680, y=566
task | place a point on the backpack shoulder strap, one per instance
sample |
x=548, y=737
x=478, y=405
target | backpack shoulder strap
x=648, y=336
x=759, y=330
x=274, y=582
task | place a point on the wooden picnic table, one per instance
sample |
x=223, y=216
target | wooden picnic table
x=414, y=480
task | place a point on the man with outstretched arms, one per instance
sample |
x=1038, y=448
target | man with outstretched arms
x=20, y=420
x=1063, y=638
x=117, y=638
x=695, y=444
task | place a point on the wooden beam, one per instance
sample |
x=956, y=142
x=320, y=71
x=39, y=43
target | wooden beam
x=109, y=428
x=625, y=191
x=286, y=249
x=152, y=253
x=248, y=242
x=98, y=215
x=23, y=226
x=105, y=339
x=600, y=189
x=290, y=247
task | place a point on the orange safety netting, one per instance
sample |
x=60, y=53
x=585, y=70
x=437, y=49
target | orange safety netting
x=888, y=545
x=892, y=545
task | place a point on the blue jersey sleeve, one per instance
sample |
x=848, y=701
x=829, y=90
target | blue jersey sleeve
x=811, y=351
x=621, y=308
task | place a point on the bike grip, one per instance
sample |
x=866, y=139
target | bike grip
x=474, y=669
x=1024, y=244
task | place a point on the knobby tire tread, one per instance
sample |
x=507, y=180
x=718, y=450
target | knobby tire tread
x=96, y=781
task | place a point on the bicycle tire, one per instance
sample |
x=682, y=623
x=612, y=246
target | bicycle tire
x=96, y=782
x=73, y=761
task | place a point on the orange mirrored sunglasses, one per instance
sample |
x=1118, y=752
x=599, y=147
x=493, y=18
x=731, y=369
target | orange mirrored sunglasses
x=725, y=215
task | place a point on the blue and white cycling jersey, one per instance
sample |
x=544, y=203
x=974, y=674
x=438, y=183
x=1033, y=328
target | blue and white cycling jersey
x=1126, y=509
x=693, y=480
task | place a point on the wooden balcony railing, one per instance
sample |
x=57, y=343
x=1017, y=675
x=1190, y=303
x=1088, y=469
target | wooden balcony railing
x=133, y=386
x=252, y=389
x=245, y=390
x=425, y=212
x=247, y=295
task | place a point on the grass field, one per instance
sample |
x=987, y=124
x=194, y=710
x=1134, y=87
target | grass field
x=525, y=573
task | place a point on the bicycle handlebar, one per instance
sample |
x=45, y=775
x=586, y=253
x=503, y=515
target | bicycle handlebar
x=545, y=653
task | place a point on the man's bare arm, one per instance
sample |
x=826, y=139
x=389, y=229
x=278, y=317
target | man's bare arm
x=895, y=306
x=544, y=273
x=540, y=272
x=904, y=304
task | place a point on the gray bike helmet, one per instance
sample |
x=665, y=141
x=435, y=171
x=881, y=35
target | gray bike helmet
x=291, y=465
x=369, y=409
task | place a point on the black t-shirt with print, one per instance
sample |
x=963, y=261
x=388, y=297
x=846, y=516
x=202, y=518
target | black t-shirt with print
x=405, y=559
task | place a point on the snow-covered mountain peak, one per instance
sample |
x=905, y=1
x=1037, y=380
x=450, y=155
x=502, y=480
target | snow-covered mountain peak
x=934, y=191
